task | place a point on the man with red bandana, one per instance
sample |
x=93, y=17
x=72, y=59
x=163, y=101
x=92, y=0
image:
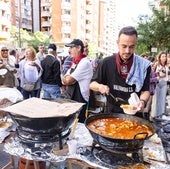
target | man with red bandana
x=123, y=73
x=78, y=77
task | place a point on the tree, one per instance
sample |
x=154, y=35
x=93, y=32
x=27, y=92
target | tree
x=155, y=31
x=145, y=35
x=23, y=38
x=39, y=38
x=19, y=37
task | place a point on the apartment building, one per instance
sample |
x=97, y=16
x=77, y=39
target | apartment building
x=5, y=23
x=91, y=20
x=63, y=20
x=21, y=14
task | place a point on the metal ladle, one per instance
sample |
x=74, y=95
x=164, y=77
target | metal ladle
x=118, y=99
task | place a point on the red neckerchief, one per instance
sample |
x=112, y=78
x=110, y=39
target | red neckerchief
x=77, y=59
x=123, y=67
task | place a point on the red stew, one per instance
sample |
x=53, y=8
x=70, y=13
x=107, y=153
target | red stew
x=119, y=128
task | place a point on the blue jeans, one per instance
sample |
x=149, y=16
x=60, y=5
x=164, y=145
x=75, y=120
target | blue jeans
x=27, y=94
x=51, y=91
x=160, y=93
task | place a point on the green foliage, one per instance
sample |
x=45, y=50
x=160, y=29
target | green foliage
x=22, y=37
x=39, y=38
x=92, y=50
x=154, y=31
x=145, y=35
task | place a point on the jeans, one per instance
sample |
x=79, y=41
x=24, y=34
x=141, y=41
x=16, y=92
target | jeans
x=28, y=94
x=51, y=91
x=160, y=96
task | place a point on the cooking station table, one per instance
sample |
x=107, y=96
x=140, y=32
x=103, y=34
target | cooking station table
x=45, y=152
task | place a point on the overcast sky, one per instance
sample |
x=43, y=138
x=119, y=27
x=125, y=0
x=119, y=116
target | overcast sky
x=131, y=9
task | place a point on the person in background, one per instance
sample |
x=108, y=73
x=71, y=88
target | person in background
x=30, y=71
x=41, y=54
x=8, y=92
x=95, y=62
x=154, y=78
x=123, y=73
x=168, y=64
x=159, y=98
x=86, y=48
x=145, y=56
x=8, y=70
x=78, y=77
x=13, y=55
x=51, y=79
x=67, y=63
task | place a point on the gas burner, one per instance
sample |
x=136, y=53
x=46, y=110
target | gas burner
x=110, y=157
x=31, y=138
x=113, y=158
x=107, y=159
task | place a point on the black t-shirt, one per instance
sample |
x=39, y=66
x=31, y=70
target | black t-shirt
x=107, y=74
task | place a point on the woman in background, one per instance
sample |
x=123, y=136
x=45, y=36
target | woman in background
x=159, y=99
x=154, y=78
x=30, y=71
x=7, y=66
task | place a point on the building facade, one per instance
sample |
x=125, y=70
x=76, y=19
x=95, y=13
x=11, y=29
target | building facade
x=5, y=23
x=64, y=20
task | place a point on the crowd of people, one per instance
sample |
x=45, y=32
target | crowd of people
x=37, y=74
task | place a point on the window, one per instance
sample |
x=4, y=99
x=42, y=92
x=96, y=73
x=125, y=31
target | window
x=67, y=12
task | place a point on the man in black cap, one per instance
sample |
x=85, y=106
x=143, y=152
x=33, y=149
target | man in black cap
x=78, y=76
x=51, y=80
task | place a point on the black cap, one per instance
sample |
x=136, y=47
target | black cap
x=75, y=42
x=52, y=46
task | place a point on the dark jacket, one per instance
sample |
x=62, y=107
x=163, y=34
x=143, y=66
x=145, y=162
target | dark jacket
x=51, y=71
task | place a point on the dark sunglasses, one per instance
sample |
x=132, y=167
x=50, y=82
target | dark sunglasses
x=4, y=50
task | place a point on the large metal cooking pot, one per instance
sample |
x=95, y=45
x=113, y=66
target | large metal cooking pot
x=114, y=144
x=45, y=125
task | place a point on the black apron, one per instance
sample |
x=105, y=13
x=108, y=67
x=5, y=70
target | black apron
x=73, y=92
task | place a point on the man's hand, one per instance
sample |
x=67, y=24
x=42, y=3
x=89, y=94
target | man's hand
x=103, y=89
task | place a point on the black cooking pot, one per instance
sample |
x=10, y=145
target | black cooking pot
x=119, y=145
x=45, y=125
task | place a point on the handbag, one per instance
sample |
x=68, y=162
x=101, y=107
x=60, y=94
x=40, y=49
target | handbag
x=28, y=86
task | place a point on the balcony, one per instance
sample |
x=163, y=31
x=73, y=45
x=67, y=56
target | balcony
x=89, y=27
x=89, y=17
x=26, y=26
x=47, y=33
x=88, y=36
x=45, y=24
x=66, y=29
x=4, y=6
x=6, y=22
x=65, y=40
x=65, y=17
x=4, y=35
x=66, y=5
x=45, y=14
x=46, y=4
x=89, y=8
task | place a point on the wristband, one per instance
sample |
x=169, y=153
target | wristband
x=144, y=101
